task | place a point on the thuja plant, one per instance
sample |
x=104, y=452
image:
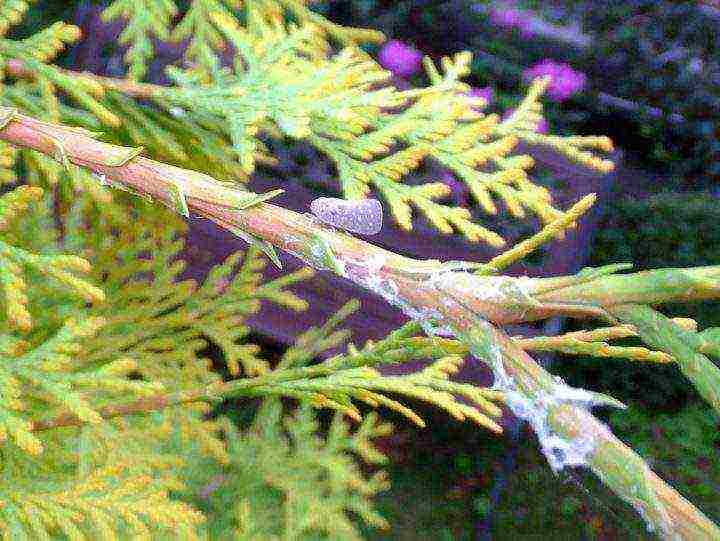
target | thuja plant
x=106, y=386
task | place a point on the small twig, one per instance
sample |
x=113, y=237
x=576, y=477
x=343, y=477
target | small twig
x=16, y=68
x=211, y=393
x=142, y=405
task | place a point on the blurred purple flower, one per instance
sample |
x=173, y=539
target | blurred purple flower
x=485, y=93
x=508, y=16
x=542, y=126
x=402, y=59
x=564, y=83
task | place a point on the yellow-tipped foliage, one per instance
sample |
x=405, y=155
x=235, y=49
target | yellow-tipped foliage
x=109, y=503
x=16, y=263
x=287, y=81
x=51, y=41
x=146, y=19
x=353, y=377
x=70, y=359
x=11, y=13
x=526, y=118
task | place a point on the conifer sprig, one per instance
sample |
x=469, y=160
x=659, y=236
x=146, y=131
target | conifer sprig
x=47, y=79
x=205, y=25
x=447, y=297
x=662, y=333
x=11, y=13
x=290, y=481
x=55, y=372
x=100, y=505
x=16, y=262
x=287, y=82
x=87, y=374
x=146, y=19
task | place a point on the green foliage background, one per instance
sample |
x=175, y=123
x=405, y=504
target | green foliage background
x=283, y=474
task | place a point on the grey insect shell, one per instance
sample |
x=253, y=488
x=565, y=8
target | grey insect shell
x=363, y=217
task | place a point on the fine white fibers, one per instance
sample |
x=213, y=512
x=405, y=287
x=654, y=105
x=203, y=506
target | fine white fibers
x=559, y=451
x=363, y=217
x=367, y=274
x=487, y=289
x=459, y=288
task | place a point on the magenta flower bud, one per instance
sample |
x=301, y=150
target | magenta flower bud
x=564, y=83
x=402, y=59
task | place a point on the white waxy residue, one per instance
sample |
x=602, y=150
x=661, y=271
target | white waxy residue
x=177, y=112
x=363, y=217
x=560, y=452
x=102, y=179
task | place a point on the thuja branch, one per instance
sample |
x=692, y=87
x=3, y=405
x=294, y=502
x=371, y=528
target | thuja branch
x=429, y=291
x=626, y=297
x=660, y=332
x=210, y=393
x=618, y=466
x=18, y=69
x=508, y=300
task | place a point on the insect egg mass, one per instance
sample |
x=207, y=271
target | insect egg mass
x=363, y=217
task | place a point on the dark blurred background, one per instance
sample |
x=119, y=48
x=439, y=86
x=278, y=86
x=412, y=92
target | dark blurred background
x=646, y=73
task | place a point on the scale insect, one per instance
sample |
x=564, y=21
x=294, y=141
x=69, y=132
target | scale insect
x=363, y=217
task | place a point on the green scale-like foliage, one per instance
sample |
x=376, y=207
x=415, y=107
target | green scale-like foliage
x=285, y=82
x=142, y=333
x=145, y=19
x=290, y=80
x=285, y=482
x=119, y=478
x=123, y=476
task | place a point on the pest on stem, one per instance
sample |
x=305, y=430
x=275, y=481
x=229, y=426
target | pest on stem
x=363, y=217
